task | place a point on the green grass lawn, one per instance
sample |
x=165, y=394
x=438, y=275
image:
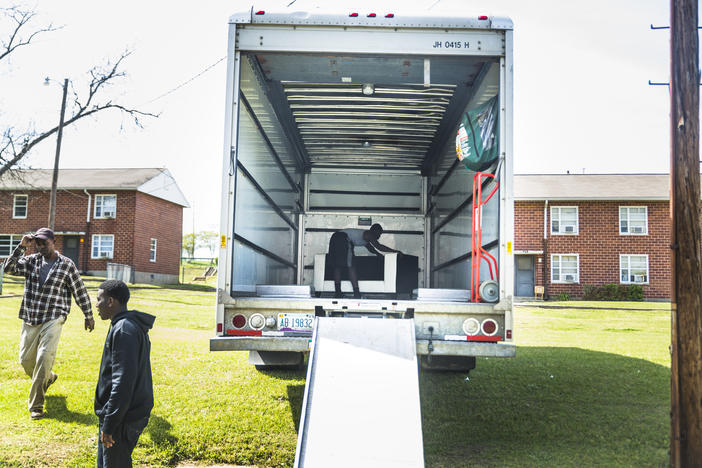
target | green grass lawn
x=588, y=388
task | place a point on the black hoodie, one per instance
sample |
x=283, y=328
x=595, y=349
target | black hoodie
x=124, y=390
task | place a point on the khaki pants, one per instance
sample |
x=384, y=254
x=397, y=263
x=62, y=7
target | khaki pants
x=38, y=344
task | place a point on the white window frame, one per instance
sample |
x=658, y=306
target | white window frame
x=95, y=243
x=99, y=201
x=577, y=267
x=26, y=206
x=628, y=267
x=152, y=250
x=15, y=239
x=626, y=209
x=556, y=214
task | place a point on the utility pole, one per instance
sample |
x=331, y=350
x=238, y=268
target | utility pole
x=54, y=180
x=686, y=277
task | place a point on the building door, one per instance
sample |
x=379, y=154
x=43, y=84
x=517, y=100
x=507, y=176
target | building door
x=524, y=280
x=70, y=248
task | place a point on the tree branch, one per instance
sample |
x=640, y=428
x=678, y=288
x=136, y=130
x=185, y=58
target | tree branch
x=20, y=18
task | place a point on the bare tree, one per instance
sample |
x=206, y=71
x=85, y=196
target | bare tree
x=16, y=144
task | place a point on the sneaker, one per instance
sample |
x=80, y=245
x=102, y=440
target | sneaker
x=37, y=414
x=51, y=380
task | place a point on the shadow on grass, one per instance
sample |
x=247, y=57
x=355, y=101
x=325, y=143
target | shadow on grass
x=296, y=393
x=159, y=430
x=56, y=409
x=548, y=407
x=165, y=444
x=188, y=287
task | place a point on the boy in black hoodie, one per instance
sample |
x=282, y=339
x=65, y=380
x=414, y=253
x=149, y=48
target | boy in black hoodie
x=124, y=394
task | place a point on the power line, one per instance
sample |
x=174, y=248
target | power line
x=185, y=82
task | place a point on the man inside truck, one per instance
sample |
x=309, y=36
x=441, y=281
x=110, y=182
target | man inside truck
x=341, y=253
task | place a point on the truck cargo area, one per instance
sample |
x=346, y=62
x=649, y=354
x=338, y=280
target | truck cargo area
x=316, y=155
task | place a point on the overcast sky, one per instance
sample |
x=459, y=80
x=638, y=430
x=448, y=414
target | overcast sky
x=582, y=99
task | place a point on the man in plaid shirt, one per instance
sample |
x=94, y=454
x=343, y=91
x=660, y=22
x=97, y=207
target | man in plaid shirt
x=50, y=280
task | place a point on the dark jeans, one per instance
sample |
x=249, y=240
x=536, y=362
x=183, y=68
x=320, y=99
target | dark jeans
x=120, y=454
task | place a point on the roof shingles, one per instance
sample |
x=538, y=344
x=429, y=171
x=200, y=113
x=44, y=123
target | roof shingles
x=95, y=179
x=591, y=187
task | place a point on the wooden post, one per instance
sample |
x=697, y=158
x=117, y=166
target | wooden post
x=686, y=277
x=54, y=179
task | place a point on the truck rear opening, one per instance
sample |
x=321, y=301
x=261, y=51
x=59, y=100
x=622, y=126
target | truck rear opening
x=338, y=121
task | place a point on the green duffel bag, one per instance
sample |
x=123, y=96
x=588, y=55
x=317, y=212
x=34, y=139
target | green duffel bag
x=478, y=135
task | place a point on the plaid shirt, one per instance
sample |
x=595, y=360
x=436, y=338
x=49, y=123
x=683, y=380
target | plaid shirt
x=53, y=299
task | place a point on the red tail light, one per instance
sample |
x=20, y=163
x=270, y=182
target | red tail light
x=509, y=334
x=239, y=321
x=219, y=328
x=489, y=327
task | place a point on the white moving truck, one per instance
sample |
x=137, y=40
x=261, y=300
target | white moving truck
x=347, y=119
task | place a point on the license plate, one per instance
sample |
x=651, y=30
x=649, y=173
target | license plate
x=295, y=321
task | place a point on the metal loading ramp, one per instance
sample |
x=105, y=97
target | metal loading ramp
x=361, y=404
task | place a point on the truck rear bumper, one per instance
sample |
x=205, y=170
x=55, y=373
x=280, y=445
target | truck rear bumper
x=302, y=344
x=467, y=348
x=246, y=343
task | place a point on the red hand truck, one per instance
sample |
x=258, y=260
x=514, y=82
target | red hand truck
x=478, y=254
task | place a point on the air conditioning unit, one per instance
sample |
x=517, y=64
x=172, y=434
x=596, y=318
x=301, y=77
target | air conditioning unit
x=637, y=229
x=105, y=255
x=639, y=278
x=570, y=278
x=569, y=228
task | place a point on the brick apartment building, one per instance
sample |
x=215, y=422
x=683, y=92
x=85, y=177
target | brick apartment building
x=129, y=217
x=573, y=230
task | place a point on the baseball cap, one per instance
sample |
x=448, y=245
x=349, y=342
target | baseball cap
x=44, y=233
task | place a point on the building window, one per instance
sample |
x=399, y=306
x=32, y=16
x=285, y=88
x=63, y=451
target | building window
x=103, y=246
x=105, y=206
x=564, y=220
x=565, y=268
x=152, y=252
x=19, y=208
x=633, y=220
x=633, y=269
x=8, y=243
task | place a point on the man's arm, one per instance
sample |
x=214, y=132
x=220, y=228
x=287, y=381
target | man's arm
x=16, y=264
x=125, y=362
x=377, y=248
x=80, y=294
x=371, y=248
